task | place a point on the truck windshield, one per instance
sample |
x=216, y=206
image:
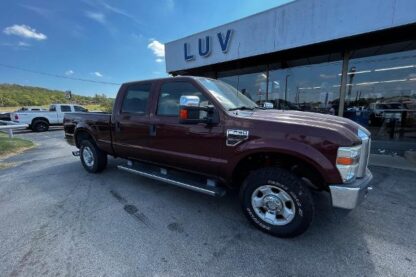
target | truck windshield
x=229, y=97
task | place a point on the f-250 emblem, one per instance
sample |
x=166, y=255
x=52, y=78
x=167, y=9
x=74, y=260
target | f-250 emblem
x=234, y=137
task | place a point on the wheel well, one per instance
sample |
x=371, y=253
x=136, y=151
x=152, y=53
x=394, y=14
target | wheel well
x=311, y=176
x=39, y=118
x=82, y=135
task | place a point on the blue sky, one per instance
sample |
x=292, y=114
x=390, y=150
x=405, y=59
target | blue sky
x=103, y=41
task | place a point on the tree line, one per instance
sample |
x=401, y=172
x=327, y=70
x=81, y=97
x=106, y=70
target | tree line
x=12, y=95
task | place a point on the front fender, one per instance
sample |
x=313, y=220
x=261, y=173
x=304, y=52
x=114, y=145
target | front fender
x=313, y=156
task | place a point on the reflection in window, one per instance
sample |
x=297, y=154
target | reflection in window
x=381, y=95
x=252, y=85
x=313, y=88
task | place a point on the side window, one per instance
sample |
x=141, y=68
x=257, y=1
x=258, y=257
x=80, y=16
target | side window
x=80, y=109
x=65, y=108
x=52, y=108
x=136, y=99
x=170, y=94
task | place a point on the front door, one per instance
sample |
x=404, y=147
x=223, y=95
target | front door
x=195, y=147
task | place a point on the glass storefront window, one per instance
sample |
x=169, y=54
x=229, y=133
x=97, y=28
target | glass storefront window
x=381, y=95
x=252, y=85
x=313, y=88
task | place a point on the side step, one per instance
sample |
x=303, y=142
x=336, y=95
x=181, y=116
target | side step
x=184, y=180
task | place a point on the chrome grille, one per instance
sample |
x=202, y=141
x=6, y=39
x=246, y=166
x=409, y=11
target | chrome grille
x=364, y=156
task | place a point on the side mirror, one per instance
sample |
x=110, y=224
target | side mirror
x=191, y=113
x=268, y=105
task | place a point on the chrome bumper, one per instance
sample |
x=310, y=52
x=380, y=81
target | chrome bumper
x=348, y=196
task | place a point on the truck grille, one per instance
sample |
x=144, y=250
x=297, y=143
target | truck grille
x=364, y=156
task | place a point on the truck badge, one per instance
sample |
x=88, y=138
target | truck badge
x=234, y=137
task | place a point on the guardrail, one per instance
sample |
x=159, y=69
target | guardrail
x=10, y=125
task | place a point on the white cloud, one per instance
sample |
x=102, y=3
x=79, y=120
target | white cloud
x=157, y=48
x=69, y=72
x=97, y=16
x=159, y=60
x=41, y=11
x=23, y=44
x=24, y=31
x=96, y=73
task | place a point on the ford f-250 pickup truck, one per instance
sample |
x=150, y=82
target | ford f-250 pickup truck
x=203, y=134
x=40, y=120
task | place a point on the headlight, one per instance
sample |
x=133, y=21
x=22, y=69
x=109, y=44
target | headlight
x=347, y=162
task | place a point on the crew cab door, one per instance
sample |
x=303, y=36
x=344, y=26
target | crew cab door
x=195, y=147
x=131, y=122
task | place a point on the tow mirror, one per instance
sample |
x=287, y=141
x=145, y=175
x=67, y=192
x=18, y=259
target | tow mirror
x=191, y=113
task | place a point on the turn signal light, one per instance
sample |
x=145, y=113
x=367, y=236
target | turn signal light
x=183, y=114
x=346, y=161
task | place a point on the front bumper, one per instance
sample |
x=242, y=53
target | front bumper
x=349, y=196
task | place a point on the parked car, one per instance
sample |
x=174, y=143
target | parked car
x=39, y=121
x=379, y=112
x=204, y=135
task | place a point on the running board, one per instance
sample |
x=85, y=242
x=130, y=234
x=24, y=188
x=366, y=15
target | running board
x=191, y=183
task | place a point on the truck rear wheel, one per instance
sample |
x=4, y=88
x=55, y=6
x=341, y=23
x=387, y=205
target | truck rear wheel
x=40, y=125
x=277, y=202
x=92, y=158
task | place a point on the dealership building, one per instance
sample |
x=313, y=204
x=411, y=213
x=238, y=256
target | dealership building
x=352, y=58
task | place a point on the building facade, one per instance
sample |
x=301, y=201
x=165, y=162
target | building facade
x=352, y=58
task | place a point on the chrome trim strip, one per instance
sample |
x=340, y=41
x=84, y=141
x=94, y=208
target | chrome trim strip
x=166, y=180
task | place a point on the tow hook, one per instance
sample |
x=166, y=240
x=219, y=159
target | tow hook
x=75, y=153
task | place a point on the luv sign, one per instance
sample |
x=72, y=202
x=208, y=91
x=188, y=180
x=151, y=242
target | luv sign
x=205, y=45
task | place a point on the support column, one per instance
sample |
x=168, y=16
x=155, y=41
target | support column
x=344, y=78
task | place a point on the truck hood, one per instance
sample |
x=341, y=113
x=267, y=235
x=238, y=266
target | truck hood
x=337, y=124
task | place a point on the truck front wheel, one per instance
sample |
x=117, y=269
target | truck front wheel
x=92, y=158
x=277, y=202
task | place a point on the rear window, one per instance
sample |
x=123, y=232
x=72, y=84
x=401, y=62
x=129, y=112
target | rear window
x=136, y=99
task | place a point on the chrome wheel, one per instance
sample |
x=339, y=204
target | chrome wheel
x=273, y=205
x=88, y=156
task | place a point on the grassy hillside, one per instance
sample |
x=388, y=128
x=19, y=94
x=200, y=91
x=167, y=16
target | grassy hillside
x=12, y=95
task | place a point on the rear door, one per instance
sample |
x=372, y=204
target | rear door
x=131, y=119
x=63, y=109
x=195, y=147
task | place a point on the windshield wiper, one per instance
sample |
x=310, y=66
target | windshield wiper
x=242, y=108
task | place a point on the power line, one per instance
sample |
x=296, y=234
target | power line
x=58, y=76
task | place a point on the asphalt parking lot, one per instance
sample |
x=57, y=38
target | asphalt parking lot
x=58, y=220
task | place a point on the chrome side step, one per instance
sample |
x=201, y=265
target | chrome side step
x=163, y=176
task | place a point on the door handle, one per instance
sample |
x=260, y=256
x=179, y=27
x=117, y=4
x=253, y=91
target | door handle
x=152, y=130
x=118, y=128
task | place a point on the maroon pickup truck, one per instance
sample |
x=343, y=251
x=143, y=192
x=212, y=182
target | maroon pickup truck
x=203, y=134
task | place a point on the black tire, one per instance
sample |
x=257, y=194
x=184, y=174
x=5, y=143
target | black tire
x=98, y=161
x=40, y=125
x=280, y=182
